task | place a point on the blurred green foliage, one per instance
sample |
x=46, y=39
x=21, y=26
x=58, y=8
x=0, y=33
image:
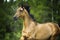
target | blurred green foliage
x=42, y=10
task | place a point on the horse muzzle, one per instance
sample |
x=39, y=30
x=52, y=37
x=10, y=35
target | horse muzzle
x=15, y=18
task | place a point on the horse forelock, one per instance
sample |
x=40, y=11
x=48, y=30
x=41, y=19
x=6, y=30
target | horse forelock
x=27, y=7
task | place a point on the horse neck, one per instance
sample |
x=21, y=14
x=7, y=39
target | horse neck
x=27, y=20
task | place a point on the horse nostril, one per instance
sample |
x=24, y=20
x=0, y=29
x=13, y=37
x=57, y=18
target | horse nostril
x=15, y=18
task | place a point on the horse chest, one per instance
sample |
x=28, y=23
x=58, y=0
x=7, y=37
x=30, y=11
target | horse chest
x=29, y=30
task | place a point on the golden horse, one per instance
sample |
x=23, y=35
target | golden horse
x=36, y=31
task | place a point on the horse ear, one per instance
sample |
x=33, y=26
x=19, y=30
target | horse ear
x=23, y=8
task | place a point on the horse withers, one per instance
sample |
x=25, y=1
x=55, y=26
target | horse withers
x=36, y=31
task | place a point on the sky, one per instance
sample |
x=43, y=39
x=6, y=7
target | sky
x=8, y=0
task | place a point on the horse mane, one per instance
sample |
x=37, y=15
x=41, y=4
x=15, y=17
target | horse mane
x=28, y=10
x=27, y=7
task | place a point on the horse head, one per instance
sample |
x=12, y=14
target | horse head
x=20, y=13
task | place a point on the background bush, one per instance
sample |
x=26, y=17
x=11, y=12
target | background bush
x=42, y=10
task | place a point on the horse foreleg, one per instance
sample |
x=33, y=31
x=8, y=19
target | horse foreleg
x=53, y=38
x=22, y=38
